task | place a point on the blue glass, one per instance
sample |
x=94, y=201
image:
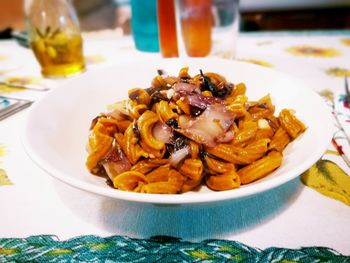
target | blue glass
x=144, y=25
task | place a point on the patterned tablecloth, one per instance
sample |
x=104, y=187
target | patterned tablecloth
x=306, y=219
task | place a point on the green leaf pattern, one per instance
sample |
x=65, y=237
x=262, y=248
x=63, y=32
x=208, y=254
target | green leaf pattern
x=156, y=249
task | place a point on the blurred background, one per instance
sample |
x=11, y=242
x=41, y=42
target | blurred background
x=256, y=15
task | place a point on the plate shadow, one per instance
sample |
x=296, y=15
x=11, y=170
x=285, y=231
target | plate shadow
x=188, y=222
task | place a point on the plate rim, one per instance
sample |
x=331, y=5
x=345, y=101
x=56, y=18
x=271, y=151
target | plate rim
x=213, y=196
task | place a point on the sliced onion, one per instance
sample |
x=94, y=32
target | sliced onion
x=200, y=136
x=201, y=101
x=179, y=155
x=162, y=132
x=185, y=87
x=113, y=169
x=228, y=136
x=184, y=121
x=212, y=124
x=118, y=110
x=115, y=162
x=218, y=112
x=117, y=115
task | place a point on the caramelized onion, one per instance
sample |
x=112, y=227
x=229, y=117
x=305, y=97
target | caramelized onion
x=162, y=132
x=201, y=101
x=115, y=162
x=118, y=110
x=228, y=136
x=117, y=115
x=210, y=126
x=186, y=87
x=179, y=155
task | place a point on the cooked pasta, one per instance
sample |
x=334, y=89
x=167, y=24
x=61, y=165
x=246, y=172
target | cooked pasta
x=184, y=132
x=226, y=181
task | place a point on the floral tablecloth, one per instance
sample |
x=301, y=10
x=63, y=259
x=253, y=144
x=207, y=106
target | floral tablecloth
x=306, y=219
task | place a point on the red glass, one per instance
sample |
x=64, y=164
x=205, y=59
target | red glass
x=196, y=24
x=167, y=28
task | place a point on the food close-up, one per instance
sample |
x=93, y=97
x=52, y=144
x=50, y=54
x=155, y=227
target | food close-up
x=186, y=131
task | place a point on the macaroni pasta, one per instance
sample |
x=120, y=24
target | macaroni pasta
x=184, y=132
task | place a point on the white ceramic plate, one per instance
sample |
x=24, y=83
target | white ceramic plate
x=56, y=132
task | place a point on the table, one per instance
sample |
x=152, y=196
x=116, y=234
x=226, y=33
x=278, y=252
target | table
x=43, y=219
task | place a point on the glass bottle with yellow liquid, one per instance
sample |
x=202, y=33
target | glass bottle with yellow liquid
x=55, y=37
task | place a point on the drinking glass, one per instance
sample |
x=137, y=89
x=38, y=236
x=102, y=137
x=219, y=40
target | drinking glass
x=144, y=25
x=198, y=28
x=55, y=37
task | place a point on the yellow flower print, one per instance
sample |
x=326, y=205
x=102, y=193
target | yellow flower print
x=22, y=80
x=6, y=89
x=4, y=180
x=345, y=41
x=223, y=54
x=327, y=94
x=2, y=57
x=258, y=62
x=2, y=150
x=312, y=51
x=94, y=59
x=338, y=72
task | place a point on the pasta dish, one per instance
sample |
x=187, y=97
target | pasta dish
x=187, y=131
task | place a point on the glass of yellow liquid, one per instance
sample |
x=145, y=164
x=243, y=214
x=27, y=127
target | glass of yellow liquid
x=55, y=37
